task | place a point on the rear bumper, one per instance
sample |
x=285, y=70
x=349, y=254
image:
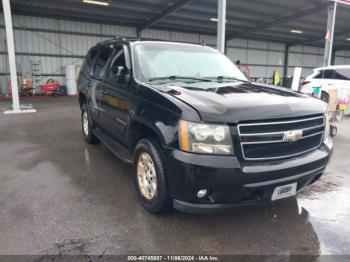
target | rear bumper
x=232, y=183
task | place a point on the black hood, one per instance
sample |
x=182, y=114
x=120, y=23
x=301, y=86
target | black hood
x=242, y=101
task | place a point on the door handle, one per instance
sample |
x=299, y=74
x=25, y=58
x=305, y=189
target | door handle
x=104, y=92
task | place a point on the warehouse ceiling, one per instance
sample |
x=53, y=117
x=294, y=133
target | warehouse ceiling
x=252, y=19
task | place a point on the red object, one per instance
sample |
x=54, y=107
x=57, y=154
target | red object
x=305, y=82
x=48, y=89
x=10, y=84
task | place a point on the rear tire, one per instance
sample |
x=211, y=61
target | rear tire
x=150, y=177
x=86, y=125
x=324, y=97
x=333, y=131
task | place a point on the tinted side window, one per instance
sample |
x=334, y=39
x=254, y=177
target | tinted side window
x=325, y=74
x=88, y=60
x=91, y=56
x=101, y=61
x=118, y=66
x=342, y=74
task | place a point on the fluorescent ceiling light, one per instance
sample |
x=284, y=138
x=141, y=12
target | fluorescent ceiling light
x=214, y=19
x=347, y=39
x=295, y=31
x=96, y=2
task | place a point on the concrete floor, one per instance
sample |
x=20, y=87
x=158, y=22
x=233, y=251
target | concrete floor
x=61, y=196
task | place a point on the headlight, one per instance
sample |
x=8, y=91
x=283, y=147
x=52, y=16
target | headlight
x=205, y=138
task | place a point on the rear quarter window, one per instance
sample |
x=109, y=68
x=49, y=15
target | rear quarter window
x=325, y=74
x=88, y=61
x=100, y=63
x=342, y=74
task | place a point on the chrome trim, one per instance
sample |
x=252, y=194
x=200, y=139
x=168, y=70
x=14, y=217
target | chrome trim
x=279, y=141
x=279, y=133
x=281, y=122
x=277, y=123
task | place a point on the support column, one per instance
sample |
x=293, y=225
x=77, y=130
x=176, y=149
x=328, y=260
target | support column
x=285, y=65
x=332, y=11
x=11, y=54
x=333, y=56
x=221, y=25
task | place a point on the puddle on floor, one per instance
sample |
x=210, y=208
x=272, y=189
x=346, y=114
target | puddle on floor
x=328, y=204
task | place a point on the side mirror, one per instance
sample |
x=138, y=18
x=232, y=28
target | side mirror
x=121, y=76
x=116, y=75
x=120, y=70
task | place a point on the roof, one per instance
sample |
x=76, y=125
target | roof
x=270, y=20
x=333, y=67
x=119, y=38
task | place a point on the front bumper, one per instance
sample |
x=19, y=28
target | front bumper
x=232, y=183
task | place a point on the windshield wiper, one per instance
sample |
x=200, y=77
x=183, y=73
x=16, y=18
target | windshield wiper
x=176, y=77
x=222, y=78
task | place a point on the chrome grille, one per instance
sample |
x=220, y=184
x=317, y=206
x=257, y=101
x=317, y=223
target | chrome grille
x=270, y=140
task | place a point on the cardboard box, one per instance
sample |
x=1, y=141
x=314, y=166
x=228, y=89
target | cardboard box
x=333, y=99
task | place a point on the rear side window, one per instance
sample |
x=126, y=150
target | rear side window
x=325, y=74
x=91, y=56
x=342, y=74
x=101, y=61
x=88, y=60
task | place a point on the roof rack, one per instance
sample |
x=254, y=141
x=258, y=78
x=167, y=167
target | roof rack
x=119, y=38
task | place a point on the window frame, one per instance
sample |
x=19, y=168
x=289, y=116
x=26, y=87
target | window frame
x=92, y=69
x=322, y=74
x=117, y=49
x=345, y=77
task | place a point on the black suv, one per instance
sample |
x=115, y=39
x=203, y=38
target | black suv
x=199, y=135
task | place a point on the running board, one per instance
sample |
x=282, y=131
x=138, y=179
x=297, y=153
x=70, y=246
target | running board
x=117, y=149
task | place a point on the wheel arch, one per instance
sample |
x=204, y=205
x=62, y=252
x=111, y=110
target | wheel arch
x=82, y=99
x=140, y=130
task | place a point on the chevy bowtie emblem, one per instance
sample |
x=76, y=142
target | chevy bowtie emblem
x=292, y=136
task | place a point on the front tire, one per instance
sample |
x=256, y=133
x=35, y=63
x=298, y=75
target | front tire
x=86, y=125
x=150, y=177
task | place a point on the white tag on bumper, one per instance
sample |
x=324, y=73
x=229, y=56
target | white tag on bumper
x=284, y=191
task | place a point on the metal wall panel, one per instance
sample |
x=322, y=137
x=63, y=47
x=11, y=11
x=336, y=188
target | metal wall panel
x=66, y=25
x=258, y=44
x=307, y=57
x=4, y=85
x=118, y=30
x=275, y=58
x=36, y=42
x=185, y=37
x=34, y=22
x=271, y=70
x=156, y=34
x=238, y=43
x=341, y=60
x=209, y=40
x=240, y=54
x=342, y=57
x=3, y=63
x=3, y=40
x=262, y=57
x=258, y=71
x=257, y=57
x=276, y=46
x=296, y=48
x=77, y=44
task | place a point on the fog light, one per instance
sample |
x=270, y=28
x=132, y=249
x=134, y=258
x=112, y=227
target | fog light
x=202, y=193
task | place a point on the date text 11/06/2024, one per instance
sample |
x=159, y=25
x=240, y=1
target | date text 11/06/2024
x=173, y=258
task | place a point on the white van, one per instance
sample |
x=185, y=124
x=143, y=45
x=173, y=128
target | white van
x=329, y=77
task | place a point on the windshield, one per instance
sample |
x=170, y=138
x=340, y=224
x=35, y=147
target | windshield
x=165, y=60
